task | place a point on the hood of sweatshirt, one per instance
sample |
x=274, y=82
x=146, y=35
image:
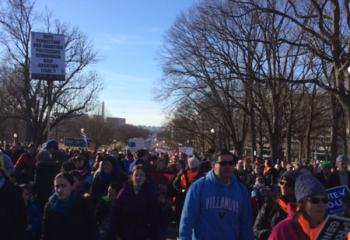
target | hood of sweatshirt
x=212, y=178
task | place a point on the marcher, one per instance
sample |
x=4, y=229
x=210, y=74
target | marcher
x=308, y=219
x=182, y=182
x=342, y=175
x=34, y=215
x=12, y=210
x=103, y=211
x=324, y=176
x=135, y=212
x=217, y=206
x=104, y=177
x=275, y=209
x=67, y=214
x=48, y=165
x=25, y=165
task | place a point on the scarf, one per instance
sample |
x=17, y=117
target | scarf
x=62, y=205
x=310, y=232
x=267, y=170
x=283, y=205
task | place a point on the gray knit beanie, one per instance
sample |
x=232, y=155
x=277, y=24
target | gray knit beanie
x=307, y=185
x=342, y=158
x=193, y=162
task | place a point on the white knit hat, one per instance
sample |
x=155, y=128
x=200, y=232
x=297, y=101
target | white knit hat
x=193, y=162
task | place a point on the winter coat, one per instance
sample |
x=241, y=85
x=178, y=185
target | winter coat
x=181, y=184
x=287, y=229
x=25, y=167
x=334, y=179
x=102, y=180
x=12, y=212
x=135, y=216
x=34, y=217
x=269, y=215
x=74, y=222
x=270, y=176
x=291, y=228
x=46, y=170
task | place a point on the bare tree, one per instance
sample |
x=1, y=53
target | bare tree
x=326, y=27
x=26, y=98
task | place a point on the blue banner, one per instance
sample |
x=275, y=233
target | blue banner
x=335, y=196
x=76, y=142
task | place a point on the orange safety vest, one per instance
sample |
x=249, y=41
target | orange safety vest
x=310, y=232
x=187, y=178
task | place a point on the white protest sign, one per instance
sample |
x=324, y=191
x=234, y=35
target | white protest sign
x=47, y=56
x=186, y=150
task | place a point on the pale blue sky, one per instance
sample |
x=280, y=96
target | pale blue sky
x=128, y=35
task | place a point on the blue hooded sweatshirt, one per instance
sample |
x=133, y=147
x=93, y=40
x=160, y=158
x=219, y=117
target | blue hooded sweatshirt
x=213, y=210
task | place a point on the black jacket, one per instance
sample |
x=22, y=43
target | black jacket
x=269, y=215
x=12, y=212
x=334, y=179
x=76, y=223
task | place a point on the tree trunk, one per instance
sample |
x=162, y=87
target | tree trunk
x=239, y=149
x=336, y=110
x=275, y=148
x=289, y=136
x=253, y=134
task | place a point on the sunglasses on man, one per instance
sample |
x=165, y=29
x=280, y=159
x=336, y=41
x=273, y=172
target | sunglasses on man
x=226, y=163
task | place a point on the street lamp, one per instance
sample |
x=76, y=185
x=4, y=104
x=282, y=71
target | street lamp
x=212, y=131
x=15, y=137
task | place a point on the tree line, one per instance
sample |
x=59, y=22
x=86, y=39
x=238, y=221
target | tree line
x=261, y=73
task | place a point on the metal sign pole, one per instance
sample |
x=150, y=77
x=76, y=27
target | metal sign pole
x=49, y=101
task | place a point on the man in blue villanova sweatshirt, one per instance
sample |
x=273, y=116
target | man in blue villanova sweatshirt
x=217, y=206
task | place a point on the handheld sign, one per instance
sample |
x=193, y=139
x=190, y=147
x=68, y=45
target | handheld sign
x=76, y=142
x=335, y=227
x=186, y=150
x=47, y=56
x=335, y=195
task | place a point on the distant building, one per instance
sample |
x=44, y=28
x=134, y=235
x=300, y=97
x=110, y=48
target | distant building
x=117, y=122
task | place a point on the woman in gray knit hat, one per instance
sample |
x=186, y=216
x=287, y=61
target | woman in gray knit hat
x=308, y=220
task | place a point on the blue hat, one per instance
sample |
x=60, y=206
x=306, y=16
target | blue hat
x=342, y=158
x=52, y=144
x=307, y=185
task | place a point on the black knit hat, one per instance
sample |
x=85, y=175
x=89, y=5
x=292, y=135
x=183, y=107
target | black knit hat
x=290, y=175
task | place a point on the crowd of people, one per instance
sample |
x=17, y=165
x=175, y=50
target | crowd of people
x=47, y=193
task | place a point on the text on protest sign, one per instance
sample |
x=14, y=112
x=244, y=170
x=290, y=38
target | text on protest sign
x=335, y=196
x=335, y=227
x=47, y=56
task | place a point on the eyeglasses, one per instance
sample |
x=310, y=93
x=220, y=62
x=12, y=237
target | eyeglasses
x=316, y=200
x=285, y=183
x=226, y=163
